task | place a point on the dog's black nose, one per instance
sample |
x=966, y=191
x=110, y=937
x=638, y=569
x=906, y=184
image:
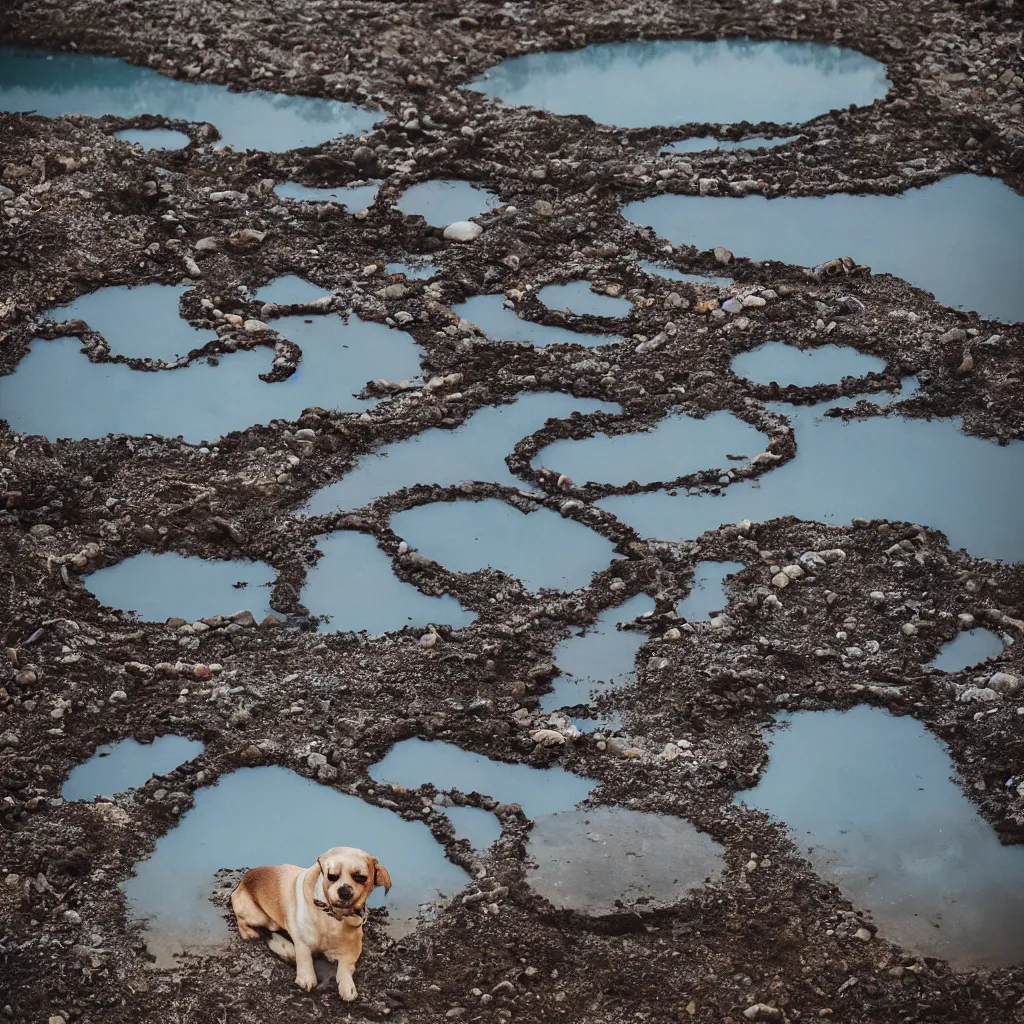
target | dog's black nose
x=345, y=891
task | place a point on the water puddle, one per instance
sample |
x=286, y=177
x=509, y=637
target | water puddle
x=354, y=584
x=600, y=860
x=666, y=82
x=970, y=647
x=707, y=143
x=671, y=274
x=598, y=660
x=540, y=549
x=959, y=238
x=274, y=816
x=881, y=817
x=117, y=767
x=675, y=447
x=444, y=201
x=157, y=586
x=352, y=197
x=595, y=860
x=788, y=365
x=290, y=290
x=707, y=593
x=414, y=271
x=578, y=299
x=154, y=138
x=501, y=323
x=480, y=827
x=885, y=467
x=53, y=84
x=57, y=392
x=142, y=322
x=474, y=451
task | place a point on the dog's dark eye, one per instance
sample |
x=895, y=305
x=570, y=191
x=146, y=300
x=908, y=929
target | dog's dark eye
x=359, y=879
x=332, y=878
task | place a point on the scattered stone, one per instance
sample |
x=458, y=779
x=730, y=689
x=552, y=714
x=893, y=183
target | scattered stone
x=463, y=231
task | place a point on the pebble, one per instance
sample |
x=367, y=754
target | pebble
x=732, y=305
x=547, y=738
x=1003, y=682
x=722, y=255
x=753, y=301
x=244, y=618
x=780, y=580
x=543, y=208
x=463, y=231
x=863, y=934
x=72, y=917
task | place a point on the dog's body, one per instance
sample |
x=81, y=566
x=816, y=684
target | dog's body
x=320, y=908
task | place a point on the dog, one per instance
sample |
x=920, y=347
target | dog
x=319, y=909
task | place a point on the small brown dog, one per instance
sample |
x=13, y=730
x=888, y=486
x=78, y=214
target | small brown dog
x=320, y=908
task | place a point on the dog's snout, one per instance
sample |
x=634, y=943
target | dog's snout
x=345, y=891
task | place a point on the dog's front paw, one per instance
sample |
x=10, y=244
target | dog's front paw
x=307, y=982
x=347, y=990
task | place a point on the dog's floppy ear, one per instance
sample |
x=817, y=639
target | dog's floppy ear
x=381, y=876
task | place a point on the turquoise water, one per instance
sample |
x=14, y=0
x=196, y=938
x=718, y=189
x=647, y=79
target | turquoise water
x=670, y=82
x=53, y=84
x=959, y=238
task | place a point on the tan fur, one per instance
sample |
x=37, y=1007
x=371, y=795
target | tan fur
x=280, y=898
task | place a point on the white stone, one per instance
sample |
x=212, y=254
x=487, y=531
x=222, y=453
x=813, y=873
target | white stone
x=463, y=231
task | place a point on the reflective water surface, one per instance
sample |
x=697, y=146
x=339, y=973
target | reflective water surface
x=355, y=585
x=352, y=197
x=540, y=549
x=154, y=138
x=501, y=323
x=671, y=274
x=709, y=142
x=787, y=364
x=53, y=84
x=577, y=298
x=707, y=593
x=668, y=82
x=442, y=201
x=970, y=647
x=474, y=451
x=127, y=764
x=959, y=238
x=159, y=585
x=879, y=814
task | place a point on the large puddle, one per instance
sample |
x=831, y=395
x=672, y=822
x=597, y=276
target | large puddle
x=443, y=201
x=675, y=447
x=592, y=860
x=352, y=197
x=57, y=392
x=354, y=585
x=884, y=467
x=157, y=586
x=474, y=451
x=803, y=368
x=502, y=323
x=117, y=767
x=577, y=298
x=879, y=815
x=541, y=549
x=274, y=816
x=669, y=82
x=53, y=84
x=970, y=647
x=597, y=660
x=959, y=238
x=707, y=593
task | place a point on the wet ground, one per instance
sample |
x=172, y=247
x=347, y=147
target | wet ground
x=559, y=467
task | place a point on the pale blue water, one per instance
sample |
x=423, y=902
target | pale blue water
x=540, y=549
x=709, y=142
x=669, y=82
x=355, y=585
x=143, y=322
x=577, y=297
x=885, y=467
x=474, y=451
x=787, y=364
x=290, y=290
x=442, y=201
x=597, y=660
x=480, y=827
x=959, y=238
x=676, y=446
x=57, y=392
x=671, y=274
x=498, y=323
x=53, y=84
x=414, y=270
x=153, y=138
x=970, y=647
x=707, y=593
x=352, y=197
x=159, y=585
x=869, y=798
x=271, y=815
x=127, y=764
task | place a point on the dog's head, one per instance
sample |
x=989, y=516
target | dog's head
x=348, y=876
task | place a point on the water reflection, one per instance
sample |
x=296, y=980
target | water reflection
x=667, y=82
x=154, y=138
x=502, y=323
x=442, y=201
x=959, y=238
x=352, y=197
x=53, y=84
x=970, y=647
x=128, y=764
x=803, y=368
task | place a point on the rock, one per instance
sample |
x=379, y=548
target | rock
x=72, y=917
x=732, y=305
x=753, y=301
x=547, y=737
x=543, y=208
x=41, y=530
x=722, y=255
x=909, y=629
x=208, y=244
x=244, y=618
x=428, y=639
x=463, y=231
x=270, y=621
x=247, y=238
x=863, y=934
x=780, y=580
x=254, y=326
x=762, y=1011
x=794, y=572
x=1003, y=682
x=957, y=334
x=202, y=672
x=978, y=693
